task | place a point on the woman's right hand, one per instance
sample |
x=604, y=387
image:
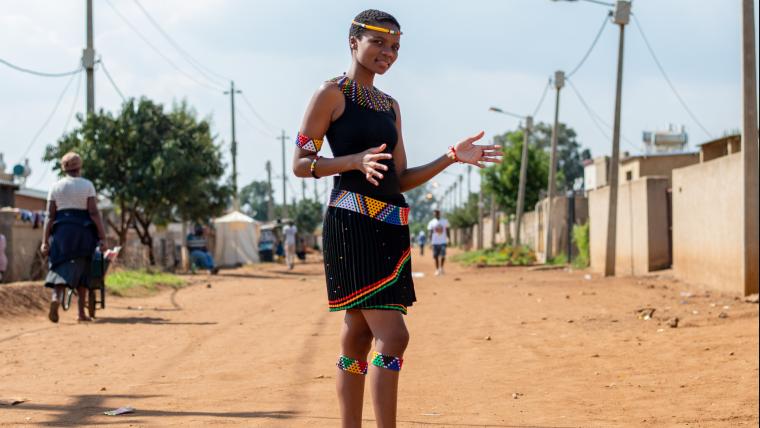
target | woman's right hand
x=44, y=249
x=369, y=163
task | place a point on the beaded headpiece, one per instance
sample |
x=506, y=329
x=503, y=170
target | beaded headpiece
x=376, y=28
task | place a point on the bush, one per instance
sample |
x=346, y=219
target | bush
x=581, y=241
x=500, y=256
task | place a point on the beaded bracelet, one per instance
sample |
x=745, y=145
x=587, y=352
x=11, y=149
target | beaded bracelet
x=453, y=152
x=313, y=166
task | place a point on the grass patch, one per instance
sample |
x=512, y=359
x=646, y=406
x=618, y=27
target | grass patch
x=581, y=240
x=500, y=256
x=558, y=260
x=140, y=282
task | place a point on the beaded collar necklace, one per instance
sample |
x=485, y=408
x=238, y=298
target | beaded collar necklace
x=371, y=98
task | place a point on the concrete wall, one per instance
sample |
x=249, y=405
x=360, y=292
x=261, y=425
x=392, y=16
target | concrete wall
x=707, y=224
x=642, y=242
x=23, y=242
x=559, y=224
x=659, y=166
x=29, y=203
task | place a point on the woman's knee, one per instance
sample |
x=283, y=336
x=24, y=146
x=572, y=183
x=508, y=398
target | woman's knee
x=395, y=341
x=356, y=340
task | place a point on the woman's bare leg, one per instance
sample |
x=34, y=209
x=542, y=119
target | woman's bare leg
x=82, y=302
x=355, y=342
x=391, y=338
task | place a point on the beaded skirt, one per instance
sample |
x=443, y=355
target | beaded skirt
x=367, y=254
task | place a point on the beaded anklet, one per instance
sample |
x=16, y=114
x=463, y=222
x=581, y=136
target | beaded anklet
x=387, y=361
x=348, y=364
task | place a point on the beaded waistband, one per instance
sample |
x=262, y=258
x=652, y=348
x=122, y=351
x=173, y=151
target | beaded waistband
x=361, y=204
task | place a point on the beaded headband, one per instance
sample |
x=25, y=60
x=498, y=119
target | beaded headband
x=376, y=28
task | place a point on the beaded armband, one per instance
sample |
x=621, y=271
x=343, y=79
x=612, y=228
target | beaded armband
x=387, y=361
x=351, y=365
x=452, y=154
x=308, y=144
x=313, y=166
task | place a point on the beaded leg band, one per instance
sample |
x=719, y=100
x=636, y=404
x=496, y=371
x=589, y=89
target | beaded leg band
x=351, y=365
x=387, y=361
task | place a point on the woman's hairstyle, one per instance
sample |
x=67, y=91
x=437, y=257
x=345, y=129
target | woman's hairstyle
x=371, y=16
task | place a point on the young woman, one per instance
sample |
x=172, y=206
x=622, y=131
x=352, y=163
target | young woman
x=366, y=237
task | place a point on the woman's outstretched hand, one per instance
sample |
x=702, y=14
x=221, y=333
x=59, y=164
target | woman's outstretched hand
x=466, y=151
x=368, y=162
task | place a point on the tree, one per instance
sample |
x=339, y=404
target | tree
x=255, y=197
x=570, y=157
x=467, y=215
x=421, y=204
x=155, y=167
x=307, y=215
x=502, y=180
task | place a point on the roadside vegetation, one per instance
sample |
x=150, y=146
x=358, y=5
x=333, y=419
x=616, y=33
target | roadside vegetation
x=140, y=282
x=500, y=256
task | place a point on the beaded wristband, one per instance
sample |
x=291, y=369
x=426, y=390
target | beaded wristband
x=387, y=361
x=348, y=364
x=453, y=152
x=308, y=144
x=313, y=166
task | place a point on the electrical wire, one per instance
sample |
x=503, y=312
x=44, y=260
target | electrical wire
x=40, y=73
x=591, y=48
x=110, y=79
x=543, y=96
x=159, y=53
x=597, y=119
x=202, y=69
x=258, y=116
x=254, y=126
x=47, y=121
x=667, y=79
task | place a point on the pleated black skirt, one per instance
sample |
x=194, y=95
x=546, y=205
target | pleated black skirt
x=367, y=262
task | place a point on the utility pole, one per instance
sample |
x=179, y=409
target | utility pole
x=749, y=148
x=233, y=146
x=88, y=62
x=559, y=82
x=621, y=18
x=523, y=177
x=282, y=139
x=480, y=217
x=494, y=221
x=462, y=203
x=270, y=192
x=316, y=192
x=303, y=189
x=469, y=188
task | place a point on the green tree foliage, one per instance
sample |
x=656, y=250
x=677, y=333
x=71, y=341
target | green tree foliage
x=570, y=157
x=466, y=216
x=154, y=166
x=254, y=198
x=502, y=180
x=421, y=204
x=307, y=215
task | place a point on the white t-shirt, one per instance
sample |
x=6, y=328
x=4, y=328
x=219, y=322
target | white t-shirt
x=71, y=193
x=438, y=227
x=290, y=234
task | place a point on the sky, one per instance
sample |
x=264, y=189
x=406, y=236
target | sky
x=456, y=60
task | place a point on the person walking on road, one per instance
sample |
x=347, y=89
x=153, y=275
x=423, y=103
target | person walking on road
x=290, y=231
x=421, y=241
x=439, y=239
x=73, y=229
x=366, y=240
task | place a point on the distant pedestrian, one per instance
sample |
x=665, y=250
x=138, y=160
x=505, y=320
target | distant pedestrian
x=3, y=258
x=73, y=229
x=289, y=233
x=197, y=246
x=421, y=241
x=439, y=238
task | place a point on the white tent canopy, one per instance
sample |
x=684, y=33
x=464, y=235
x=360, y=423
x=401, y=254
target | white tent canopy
x=237, y=238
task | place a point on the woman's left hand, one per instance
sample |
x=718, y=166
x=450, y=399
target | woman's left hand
x=466, y=151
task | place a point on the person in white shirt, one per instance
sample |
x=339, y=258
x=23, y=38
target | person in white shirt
x=439, y=237
x=289, y=233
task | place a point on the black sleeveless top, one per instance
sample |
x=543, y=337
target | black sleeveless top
x=356, y=130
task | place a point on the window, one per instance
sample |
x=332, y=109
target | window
x=628, y=175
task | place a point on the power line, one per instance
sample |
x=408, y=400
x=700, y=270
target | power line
x=110, y=79
x=202, y=69
x=40, y=73
x=667, y=79
x=597, y=119
x=254, y=126
x=591, y=48
x=47, y=121
x=158, y=51
x=543, y=96
x=258, y=116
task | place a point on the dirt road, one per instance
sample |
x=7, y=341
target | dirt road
x=492, y=347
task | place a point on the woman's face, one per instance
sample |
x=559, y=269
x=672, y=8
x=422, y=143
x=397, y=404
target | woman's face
x=376, y=51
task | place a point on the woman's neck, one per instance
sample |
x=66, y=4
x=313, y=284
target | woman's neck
x=360, y=74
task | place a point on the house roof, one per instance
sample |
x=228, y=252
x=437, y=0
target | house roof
x=722, y=139
x=657, y=155
x=33, y=193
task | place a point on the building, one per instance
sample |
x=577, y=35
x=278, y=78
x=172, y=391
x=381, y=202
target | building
x=654, y=165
